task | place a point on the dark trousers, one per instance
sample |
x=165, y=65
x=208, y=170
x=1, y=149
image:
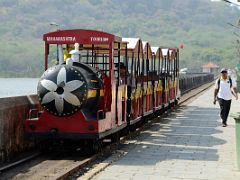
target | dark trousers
x=225, y=108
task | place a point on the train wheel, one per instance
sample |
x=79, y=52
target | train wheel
x=115, y=137
x=133, y=128
x=144, y=121
x=125, y=131
x=92, y=147
x=97, y=146
x=176, y=102
x=46, y=146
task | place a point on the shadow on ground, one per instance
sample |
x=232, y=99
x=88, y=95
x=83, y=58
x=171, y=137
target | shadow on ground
x=186, y=134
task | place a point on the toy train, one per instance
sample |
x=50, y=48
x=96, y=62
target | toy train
x=101, y=86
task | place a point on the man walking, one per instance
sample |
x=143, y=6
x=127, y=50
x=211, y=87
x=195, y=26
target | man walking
x=223, y=93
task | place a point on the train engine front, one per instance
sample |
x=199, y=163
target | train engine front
x=65, y=93
x=72, y=94
x=65, y=89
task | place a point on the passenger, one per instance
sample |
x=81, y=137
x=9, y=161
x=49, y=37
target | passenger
x=66, y=53
x=122, y=71
x=75, y=55
x=223, y=94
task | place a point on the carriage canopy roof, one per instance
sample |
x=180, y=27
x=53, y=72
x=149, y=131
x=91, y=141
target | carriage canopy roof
x=165, y=51
x=169, y=51
x=132, y=42
x=135, y=46
x=147, y=49
x=157, y=52
x=81, y=36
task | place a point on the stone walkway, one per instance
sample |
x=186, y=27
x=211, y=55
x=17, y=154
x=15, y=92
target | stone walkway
x=188, y=144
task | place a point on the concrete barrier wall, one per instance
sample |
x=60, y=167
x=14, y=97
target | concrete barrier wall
x=13, y=112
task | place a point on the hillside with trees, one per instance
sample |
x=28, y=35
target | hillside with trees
x=200, y=25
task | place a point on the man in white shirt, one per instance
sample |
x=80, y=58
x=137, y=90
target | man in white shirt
x=223, y=93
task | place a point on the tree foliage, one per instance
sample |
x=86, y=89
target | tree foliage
x=200, y=25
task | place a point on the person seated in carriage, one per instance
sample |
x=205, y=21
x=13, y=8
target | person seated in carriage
x=75, y=55
x=66, y=53
x=122, y=72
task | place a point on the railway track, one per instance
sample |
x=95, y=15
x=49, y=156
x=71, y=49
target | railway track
x=63, y=166
x=21, y=161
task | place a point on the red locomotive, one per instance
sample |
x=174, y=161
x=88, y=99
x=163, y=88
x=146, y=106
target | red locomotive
x=102, y=85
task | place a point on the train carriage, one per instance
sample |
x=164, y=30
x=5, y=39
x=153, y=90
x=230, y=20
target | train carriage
x=135, y=92
x=173, y=75
x=158, y=89
x=147, y=79
x=170, y=75
x=176, y=75
x=165, y=76
x=171, y=78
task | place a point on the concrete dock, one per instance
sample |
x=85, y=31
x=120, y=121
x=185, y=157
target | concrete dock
x=188, y=144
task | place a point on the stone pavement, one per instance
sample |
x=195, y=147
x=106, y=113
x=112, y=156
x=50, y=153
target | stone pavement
x=188, y=144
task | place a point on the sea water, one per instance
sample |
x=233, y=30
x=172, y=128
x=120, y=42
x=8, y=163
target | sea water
x=18, y=86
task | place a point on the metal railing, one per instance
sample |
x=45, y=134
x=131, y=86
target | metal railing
x=191, y=81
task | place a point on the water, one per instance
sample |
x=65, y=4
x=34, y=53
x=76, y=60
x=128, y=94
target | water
x=18, y=86
x=25, y=86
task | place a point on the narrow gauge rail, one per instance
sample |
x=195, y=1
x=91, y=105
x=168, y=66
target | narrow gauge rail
x=21, y=161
